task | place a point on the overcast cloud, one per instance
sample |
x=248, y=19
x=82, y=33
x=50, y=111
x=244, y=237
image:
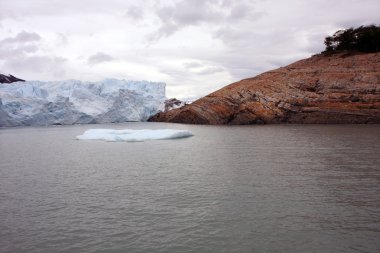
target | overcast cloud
x=99, y=58
x=195, y=46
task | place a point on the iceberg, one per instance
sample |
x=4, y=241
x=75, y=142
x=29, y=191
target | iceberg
x=132, y=135
x=36, y=103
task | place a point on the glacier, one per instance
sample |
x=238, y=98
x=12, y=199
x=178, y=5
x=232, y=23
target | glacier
x=39, y=103
x=131, y=135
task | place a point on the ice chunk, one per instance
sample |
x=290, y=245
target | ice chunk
x=131, y=135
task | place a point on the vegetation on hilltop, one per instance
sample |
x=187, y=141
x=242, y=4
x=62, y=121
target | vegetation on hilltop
x=363, y=39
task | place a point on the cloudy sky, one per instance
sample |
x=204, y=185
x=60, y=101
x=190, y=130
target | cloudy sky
x=195, y=46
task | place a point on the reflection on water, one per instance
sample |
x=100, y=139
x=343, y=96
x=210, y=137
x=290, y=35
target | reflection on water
x=283, y=188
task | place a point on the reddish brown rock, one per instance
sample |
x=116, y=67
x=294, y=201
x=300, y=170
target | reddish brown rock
x=339, y=88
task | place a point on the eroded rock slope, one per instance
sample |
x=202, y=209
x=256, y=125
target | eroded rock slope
x=339, y=88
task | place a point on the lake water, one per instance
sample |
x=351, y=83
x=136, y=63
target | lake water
x=267, y=188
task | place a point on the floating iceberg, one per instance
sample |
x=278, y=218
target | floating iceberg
x=131, y=135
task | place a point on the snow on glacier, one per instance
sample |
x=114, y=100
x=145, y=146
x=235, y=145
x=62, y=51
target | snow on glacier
x=131, y=135
x=76, y=102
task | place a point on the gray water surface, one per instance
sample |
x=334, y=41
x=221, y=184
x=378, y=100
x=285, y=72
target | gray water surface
x=270, y=188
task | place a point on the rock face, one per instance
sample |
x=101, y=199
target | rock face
x=9, y=79
x=173, y=103
x=339, y=88
x=35, y=103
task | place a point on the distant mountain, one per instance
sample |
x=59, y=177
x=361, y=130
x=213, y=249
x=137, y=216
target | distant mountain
x=35, y=103
x=337, y=88
x=173, y=103
x=9, y=79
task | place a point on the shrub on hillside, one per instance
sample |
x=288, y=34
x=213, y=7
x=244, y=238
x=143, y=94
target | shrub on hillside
x=362, y=39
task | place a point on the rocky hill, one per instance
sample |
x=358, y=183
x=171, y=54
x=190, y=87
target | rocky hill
x=337, y=88
x=9, y=79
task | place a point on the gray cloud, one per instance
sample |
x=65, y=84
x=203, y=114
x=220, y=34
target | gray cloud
x=191, y=65
x=99, y=58
x=134, y=12
x=13, y=51
x=22, y=37
x=239, y=11
x=21, y=44
x=62, y=39
x=19, y=54
x=196, y=12
x=251, y=52
x=202, y=69
x=353, y=22
x=36, y=63
x=17, y=9
x=29, y=65
x=210, y=70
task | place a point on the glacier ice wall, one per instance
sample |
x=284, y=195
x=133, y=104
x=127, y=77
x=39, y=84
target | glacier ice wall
x=36, y=103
